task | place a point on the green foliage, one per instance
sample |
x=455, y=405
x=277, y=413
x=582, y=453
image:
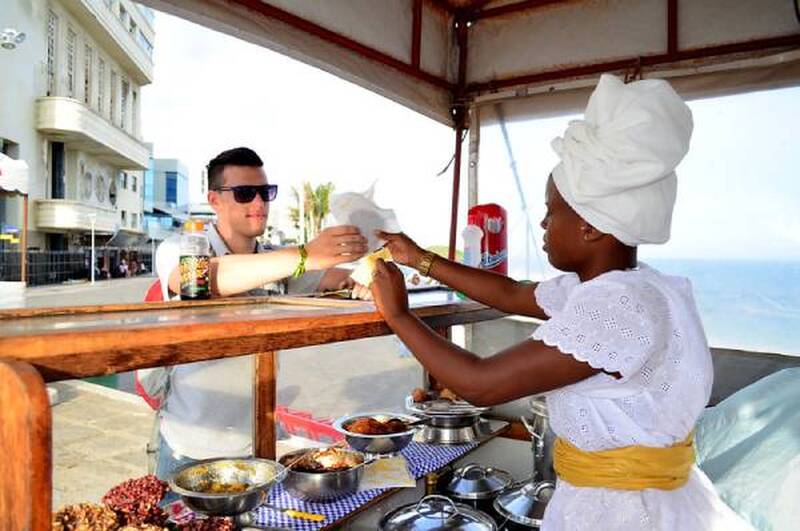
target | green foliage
x=316, y=205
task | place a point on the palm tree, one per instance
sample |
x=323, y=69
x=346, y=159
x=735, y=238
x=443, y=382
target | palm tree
x=316, y=205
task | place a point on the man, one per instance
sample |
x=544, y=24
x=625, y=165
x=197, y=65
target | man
x=208, y=408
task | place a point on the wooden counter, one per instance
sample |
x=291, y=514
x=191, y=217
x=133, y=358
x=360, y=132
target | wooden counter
x=65, y=343
x=91, y=341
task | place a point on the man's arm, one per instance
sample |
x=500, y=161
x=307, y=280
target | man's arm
x=238, y=273
x=487, y=287
x=234, y=274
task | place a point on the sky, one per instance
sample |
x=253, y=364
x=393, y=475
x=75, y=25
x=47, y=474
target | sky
x=738, y=192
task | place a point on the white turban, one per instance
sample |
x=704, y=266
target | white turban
x=617, y=164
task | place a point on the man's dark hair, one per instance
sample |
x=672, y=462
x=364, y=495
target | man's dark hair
x=240, y=156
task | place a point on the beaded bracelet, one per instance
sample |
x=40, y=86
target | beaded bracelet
x=301, y=266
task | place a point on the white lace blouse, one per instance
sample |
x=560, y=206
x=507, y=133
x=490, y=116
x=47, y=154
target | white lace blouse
x=643, y=325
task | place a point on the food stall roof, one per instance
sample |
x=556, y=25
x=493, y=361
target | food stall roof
x=542, y=54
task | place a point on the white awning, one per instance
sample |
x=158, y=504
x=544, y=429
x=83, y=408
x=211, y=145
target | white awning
x=13, y=175
x=426, y=54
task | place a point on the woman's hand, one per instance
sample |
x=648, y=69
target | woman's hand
x=404, y=250
x=389, y=291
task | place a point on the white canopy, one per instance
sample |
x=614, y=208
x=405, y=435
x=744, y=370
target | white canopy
x=428, y=54
x=13, y=175
x=523, y=58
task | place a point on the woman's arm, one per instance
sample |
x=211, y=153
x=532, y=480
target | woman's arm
x=487, y=287
x=525, y=369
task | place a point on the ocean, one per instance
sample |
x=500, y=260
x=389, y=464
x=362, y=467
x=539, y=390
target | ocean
x=745, y=304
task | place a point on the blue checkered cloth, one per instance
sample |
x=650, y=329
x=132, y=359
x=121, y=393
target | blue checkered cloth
x=421, y=458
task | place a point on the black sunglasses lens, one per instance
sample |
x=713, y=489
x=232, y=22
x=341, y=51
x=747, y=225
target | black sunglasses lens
x=244, y=194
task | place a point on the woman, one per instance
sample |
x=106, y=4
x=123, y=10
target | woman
x=622, y=354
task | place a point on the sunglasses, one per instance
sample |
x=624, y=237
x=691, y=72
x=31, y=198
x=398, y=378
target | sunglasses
x=247, y=192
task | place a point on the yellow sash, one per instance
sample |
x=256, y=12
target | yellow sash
x=628, y=468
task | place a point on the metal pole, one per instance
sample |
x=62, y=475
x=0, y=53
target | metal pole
x=520, y=192
x=92, y=219
x=459, y=113
x=23, y=273
x=474, y=153
x=451, y=253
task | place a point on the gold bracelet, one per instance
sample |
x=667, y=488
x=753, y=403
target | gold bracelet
x=425, y=263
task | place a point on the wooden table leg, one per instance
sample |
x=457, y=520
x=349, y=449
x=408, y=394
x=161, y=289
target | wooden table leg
x=265, y=399
x=25, y=465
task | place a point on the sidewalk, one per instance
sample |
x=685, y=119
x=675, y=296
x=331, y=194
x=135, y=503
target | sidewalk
x=99, y=439
x=114, y=291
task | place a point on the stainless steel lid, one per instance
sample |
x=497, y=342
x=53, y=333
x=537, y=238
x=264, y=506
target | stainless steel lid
x=476, y=482
x=525, y=504
x=434, y=513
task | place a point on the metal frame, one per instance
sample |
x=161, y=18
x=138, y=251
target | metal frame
x=462, y=93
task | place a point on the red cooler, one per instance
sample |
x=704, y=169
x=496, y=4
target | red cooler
x=491, y=218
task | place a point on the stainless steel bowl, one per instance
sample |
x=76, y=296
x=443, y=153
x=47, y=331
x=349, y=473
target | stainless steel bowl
x=322, y=486
x=376, y=444
x=194, y=482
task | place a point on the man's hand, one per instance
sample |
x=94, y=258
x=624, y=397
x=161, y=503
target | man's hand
x=334, y=246
x=389, y=291
x=404, y=250
x=339, y=278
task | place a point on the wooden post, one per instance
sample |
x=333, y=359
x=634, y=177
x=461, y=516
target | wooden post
x=265, y=398
x=25, y=467
x=23, y=260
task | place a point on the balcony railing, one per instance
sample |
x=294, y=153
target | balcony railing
x=73, y=122
x=67, y=215
x=117, y=39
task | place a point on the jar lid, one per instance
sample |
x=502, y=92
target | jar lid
x=437, y=513
x=476, y=482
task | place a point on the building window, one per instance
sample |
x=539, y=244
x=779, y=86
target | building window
x=71, y=38
x=172, y=187
x=145, y=43
x=101, y=85
x=113, y=112
x=57, y=170
x=100, y=188
x=123, y=115
x=134, y=29
x=52, y=35
x=134, y=112
x=87, y=74
x=134, y=220
x=134, y=184
x=124, y=217
x=10, y=148
x=86, y=186
x=123, y=180
x=112, y=192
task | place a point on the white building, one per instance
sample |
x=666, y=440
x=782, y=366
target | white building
x=70, y=102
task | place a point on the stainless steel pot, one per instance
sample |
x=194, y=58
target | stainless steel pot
x=477, y=486
x=191, y=483
x=525, y=504
x=376, y=444
x=322, y=486
x=434, y=513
